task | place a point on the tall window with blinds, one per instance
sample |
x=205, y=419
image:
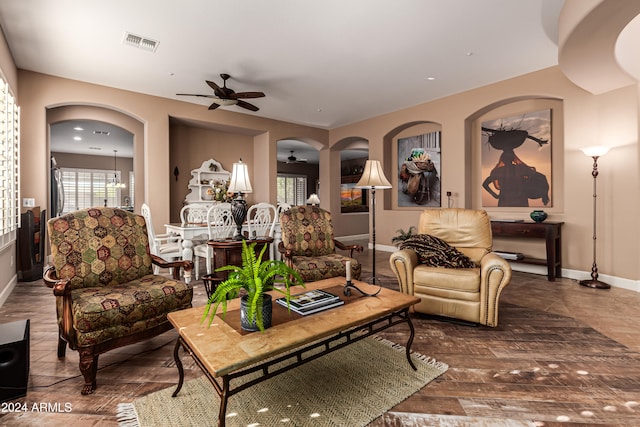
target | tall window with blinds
x=9, y=165
x=292, y=189
x=85, y=188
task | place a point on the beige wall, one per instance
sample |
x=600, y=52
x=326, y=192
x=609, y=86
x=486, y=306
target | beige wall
x=580, y=119
x=43, y=92
x=190, y=146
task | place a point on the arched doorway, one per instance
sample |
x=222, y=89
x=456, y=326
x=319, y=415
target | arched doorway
x=129, y=159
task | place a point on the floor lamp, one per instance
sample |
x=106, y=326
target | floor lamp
x=595, y=152
x=373, y=178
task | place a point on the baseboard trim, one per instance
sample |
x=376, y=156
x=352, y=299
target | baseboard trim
x=353, y=237
x=6, y=291
x=618, y=282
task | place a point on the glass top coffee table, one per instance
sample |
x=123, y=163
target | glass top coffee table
x=224, y=352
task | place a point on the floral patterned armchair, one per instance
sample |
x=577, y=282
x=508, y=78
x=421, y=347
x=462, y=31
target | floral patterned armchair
x=309, y=247
x=106, y=293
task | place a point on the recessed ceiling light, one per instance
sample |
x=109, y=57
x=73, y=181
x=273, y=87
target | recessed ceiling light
x=469, y=53
x=430, y=78
x=78, y=128
x=77, y=138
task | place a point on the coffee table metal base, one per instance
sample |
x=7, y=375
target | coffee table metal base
x=297, y=357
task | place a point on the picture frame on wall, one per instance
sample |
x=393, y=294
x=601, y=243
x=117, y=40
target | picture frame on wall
x=516, y=161
x=419, y=162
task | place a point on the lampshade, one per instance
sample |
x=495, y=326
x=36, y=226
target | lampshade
x=595, y=151
x=313, y=199
x=373, y=176
x=240, y=179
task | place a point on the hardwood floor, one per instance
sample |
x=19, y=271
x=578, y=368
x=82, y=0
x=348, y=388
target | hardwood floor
x=561, y=355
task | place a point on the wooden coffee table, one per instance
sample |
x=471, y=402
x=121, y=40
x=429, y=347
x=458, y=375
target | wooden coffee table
x=224, y=352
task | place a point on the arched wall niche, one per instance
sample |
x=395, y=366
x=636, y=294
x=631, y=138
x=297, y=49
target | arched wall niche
x=59, y=113
x=390, y=154
x=507, y=108
x=345, y=224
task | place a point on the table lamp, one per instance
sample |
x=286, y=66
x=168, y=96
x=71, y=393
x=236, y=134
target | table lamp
x=239, y=185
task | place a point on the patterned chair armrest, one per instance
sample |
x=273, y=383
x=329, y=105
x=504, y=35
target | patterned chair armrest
x=350, y=248
x=176, y=265
x=59, y=286
x=286, y=254
x=60, y=289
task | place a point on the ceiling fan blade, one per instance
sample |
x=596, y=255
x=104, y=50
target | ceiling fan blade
x=220, y=92
x=213, y=106
x=247, y=95
x=246, y=105
x=196, y=94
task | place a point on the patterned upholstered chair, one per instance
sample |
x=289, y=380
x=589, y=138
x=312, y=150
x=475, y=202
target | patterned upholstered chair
x=308, y=245
x=106, y=293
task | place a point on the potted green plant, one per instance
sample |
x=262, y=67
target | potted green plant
x=403, y=235
x=255, y=277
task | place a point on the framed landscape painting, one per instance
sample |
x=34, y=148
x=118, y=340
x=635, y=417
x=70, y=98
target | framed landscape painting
x=516, y=161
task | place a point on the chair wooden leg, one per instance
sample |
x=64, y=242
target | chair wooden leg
x=62, y=347
x=89, y=369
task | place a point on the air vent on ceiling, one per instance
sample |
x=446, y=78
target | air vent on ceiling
x=101, y=132
x=95, y=148
x=140, y=42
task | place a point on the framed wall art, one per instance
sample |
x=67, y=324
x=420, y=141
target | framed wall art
x=419, y=170
x=516, y=161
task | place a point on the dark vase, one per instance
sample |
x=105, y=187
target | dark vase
x=538, y=215
x=250, y=325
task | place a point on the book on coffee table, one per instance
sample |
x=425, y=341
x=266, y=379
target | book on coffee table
x=311, y=301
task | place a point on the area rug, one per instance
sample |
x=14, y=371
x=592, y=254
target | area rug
x=349, y=387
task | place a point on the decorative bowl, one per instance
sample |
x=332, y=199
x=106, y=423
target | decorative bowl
x=538, y=215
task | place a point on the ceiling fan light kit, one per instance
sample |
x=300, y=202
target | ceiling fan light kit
x=224, y=96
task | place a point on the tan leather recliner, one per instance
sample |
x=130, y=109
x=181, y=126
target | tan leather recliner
x=469, y=294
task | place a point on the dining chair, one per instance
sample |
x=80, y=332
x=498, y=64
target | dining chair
x=261, y=222
x=166, y=246
x=194, y=213
x=220, y=226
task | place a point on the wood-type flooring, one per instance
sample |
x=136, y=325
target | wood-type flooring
x=561, y=355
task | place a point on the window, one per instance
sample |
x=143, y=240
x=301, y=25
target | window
x=292, y=189
x=9, y=165
x=132, y=192
x=84, y=188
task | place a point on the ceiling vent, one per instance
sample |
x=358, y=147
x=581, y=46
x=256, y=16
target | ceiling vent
x=101, y=132
x=140, y=42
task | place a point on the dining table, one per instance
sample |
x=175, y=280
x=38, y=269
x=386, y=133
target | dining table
x=190, y=233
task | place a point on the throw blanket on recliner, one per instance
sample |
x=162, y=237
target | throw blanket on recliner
x=436, y=252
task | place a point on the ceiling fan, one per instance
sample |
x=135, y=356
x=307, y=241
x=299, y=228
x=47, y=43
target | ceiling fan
x=225, y=96
x=294, y=159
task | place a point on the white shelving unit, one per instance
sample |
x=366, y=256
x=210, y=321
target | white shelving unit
x=201, y=180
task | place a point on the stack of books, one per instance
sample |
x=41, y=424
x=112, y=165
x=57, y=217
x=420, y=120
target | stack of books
x=515, y=256
x=311, y=301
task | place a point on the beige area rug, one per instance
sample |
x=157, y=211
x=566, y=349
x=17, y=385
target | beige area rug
x=349, y=387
